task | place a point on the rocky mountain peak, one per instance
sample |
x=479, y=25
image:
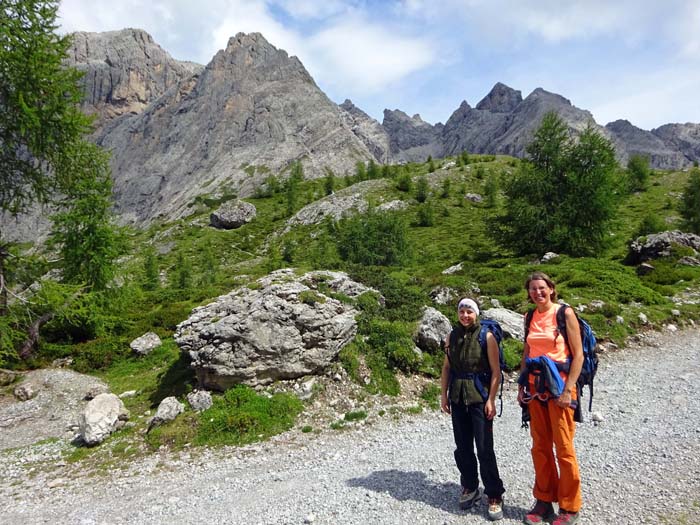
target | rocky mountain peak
x=501, y=99
x=251, y=54
x=124, y=71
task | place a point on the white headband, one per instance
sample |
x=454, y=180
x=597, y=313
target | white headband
x=468, y=303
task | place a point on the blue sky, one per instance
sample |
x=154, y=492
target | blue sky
x=632, y=59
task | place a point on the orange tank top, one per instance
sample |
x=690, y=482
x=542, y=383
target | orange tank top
x=543, y=338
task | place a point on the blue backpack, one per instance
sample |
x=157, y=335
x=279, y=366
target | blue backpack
x=489, y=325
x=590, y=356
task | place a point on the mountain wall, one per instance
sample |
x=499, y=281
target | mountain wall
x=177, y=130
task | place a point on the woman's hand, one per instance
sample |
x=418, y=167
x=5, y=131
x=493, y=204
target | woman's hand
x=490, y=409
x=521, y=394
x=564, y=400
x=445, y=404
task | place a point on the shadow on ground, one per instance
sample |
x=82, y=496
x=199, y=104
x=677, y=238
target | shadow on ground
x=415, y=486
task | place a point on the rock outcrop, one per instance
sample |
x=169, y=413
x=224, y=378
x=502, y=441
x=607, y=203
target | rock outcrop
x=124, y=71
x=658, y=245
x=410, y=138
x=683, y=137
x=368, y=130
x=630, y=140
x=283, y=327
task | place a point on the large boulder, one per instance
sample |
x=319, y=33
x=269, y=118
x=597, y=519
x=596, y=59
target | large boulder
x=281, y=327
x=433, y=328
x=233, y=214
x=659, y=245
x=103, y=415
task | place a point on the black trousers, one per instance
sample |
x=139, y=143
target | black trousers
x=471, y=428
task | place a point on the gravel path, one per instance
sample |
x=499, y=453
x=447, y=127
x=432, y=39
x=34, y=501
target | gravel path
x=640, y=465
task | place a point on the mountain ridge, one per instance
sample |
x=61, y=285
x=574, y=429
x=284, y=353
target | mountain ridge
x=178, y=130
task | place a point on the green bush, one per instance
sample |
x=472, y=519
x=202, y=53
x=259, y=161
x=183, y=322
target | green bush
x=241, y=416
x=512, y=353
x=373, y=238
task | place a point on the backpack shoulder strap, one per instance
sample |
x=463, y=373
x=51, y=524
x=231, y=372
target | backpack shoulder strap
x=561, y=322
x=528, y=320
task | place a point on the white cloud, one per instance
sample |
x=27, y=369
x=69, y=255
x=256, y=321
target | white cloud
x=357, y=55
x=313, y=9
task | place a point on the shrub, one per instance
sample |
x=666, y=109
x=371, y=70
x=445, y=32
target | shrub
x=241, y=416
x=373, y=238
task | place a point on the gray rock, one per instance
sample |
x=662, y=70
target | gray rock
x=453, y=269
x=474, y=197
x=549, y=256
x=145, y=344
x=443, y=295
x=168, y=410
x=281, y=328
x=7, y=377
x=233, y=214
x=103, y=415
x=200, y=400
x=511, y=322
x=25, y=391
x=250, y=113
x=658, y=245
x=433, y=329
x=396, y=205
x=95, y=390
x=642, y=318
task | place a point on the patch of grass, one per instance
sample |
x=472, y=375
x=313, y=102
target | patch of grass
x=338, y=425
x=306, y=429
x=355, y=415
x=431, y=395
x=241, y=416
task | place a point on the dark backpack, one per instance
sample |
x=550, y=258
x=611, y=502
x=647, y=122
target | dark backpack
x=588, y=342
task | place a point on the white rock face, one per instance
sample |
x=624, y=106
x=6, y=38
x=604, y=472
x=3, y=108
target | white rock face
x=103, y=415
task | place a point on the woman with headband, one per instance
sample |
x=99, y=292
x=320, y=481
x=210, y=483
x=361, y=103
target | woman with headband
x=472, y=405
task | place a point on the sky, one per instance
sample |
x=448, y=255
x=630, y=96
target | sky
x=637, y=60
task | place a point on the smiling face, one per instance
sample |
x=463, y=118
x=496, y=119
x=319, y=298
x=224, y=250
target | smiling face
x=540, y=292
x=467, y=316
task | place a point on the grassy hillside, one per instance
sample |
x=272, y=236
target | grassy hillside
x=195, y=263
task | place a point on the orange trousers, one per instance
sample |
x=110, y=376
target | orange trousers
x=554, y=427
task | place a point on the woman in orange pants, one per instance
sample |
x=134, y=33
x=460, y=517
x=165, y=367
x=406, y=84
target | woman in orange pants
x=552, y=425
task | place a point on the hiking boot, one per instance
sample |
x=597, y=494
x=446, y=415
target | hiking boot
x=542, y=512
x=495, y=509
x=566, y=518
x=468, y=498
